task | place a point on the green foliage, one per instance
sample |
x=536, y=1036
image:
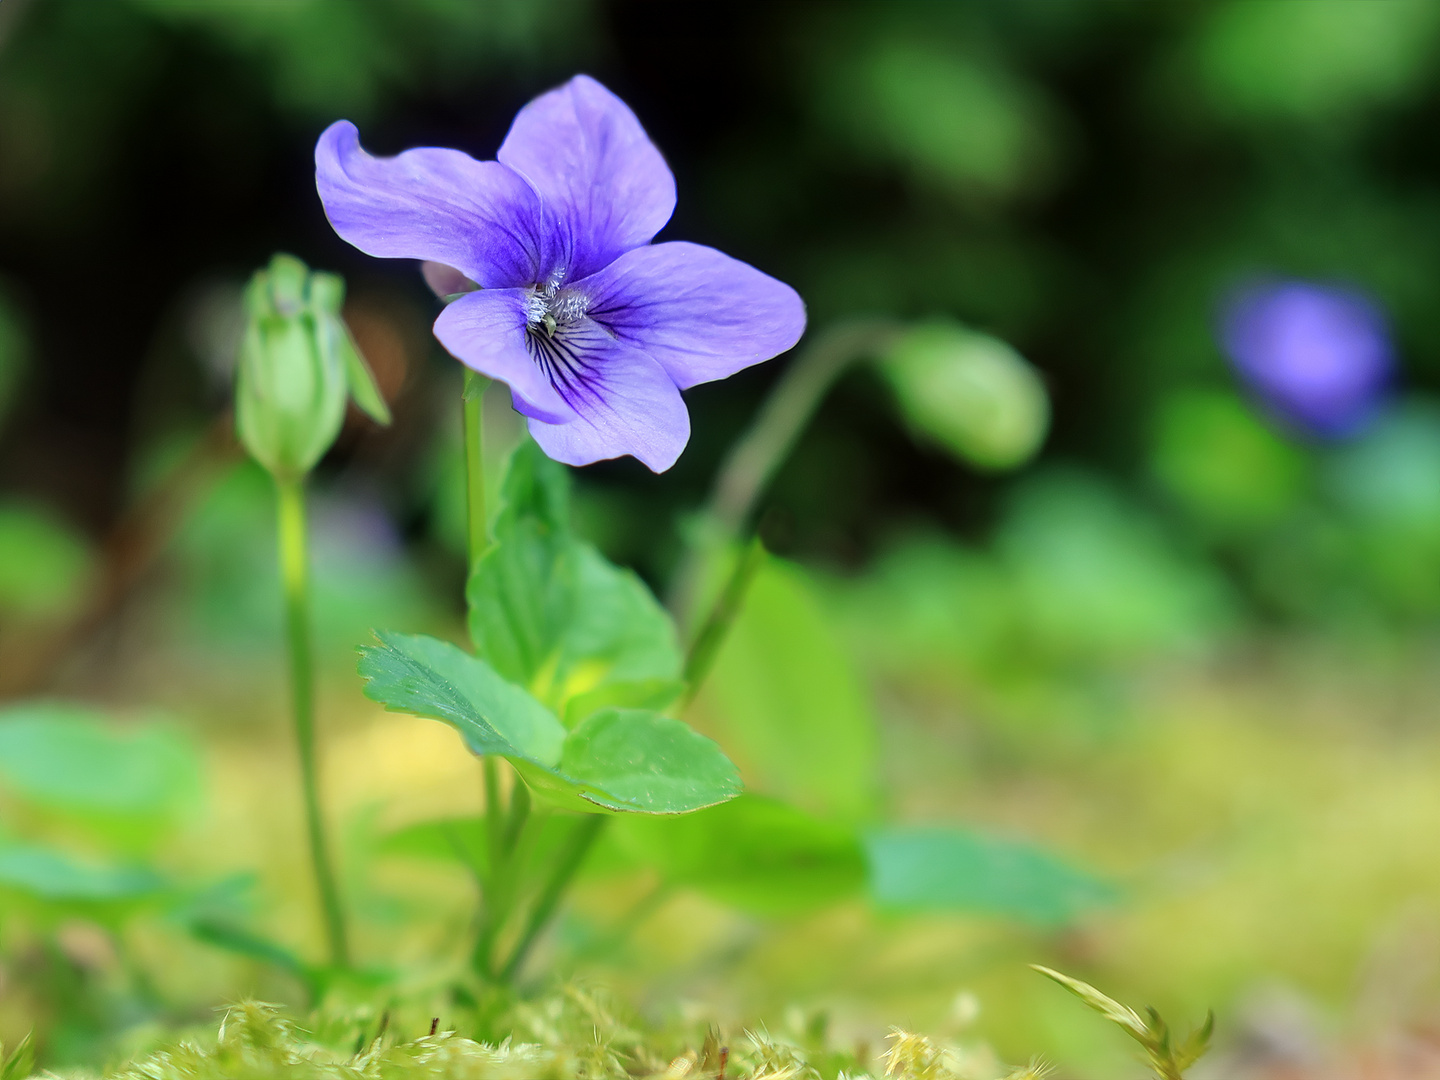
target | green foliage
x=1387, y=487
x=1224, y=465
x=72, y=773
x=52, y=876
x=17, y=1064
x=784, y=699
x=559, y=632
x=959, y=122
x=971, y=393
x=1320, y=60
x=329, y=57
x=298, y=364
x=547, y=611
x=1168, y=1060
x=426, y=677
x=225, y=551
x=1096, y=578
x=44, y=564
x=86, y=801
x=615, y=759
x=917, y=868
x=69, y=758
x=758, y=854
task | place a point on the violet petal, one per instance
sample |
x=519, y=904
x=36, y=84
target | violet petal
x=701, y=314
x=486, y=331
x=431, y=203
x=623, y=401
x=590, y=159
x=1319, y=356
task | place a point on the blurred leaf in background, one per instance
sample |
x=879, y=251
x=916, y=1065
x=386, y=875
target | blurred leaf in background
x=1388, y=485
x=45, y=565
x=1097, y=577
x=1223, y=465
x=1319, y=61
x=229, y=585
x=951, y=116
x=918, y=868
x=124, y=785
x=786, y=702
x=333, y=57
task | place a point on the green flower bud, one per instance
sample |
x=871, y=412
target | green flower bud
x=970, y=392
x=297, y=366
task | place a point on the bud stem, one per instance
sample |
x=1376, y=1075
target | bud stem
x=294, y=573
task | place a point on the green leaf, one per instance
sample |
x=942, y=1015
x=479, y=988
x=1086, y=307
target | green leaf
x=242, y=942
x=640, y=760
x=53, y=876
x=615, y=760
x=421, y=675
x=43, y=563
x=72, y=760
x=548, y=611
x=757, y=854
x=783, y=697
x=360, y=379
x=641, y=694
x=463, y=840
x=941, y=868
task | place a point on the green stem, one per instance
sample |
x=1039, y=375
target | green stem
x=519, y=814
x=478, y=531
x=754, y=460
x=584, y=835
x=711, y=636
x=494, y=818
x=294, y=570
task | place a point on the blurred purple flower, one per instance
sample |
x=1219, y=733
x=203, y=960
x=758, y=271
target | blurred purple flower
x=1319, y=356
x=595, y=329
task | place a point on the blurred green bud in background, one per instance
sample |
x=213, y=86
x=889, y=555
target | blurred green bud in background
x=970, y=392
x=297, y=366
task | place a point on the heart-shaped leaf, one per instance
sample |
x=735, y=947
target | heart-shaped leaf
x=417, y=674
x=548, y=612
x=639, y=760
x=618, y=760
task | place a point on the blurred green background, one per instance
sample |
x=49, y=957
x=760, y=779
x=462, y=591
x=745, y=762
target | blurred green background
x=1187, y=648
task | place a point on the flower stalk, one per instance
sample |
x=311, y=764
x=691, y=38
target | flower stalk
x=755, y=458
x=294, y=574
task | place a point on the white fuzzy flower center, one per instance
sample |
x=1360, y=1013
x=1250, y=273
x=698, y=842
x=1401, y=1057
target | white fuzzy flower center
x=550, y=308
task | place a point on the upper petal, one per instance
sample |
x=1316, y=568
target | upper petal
x=480, y=217
x=587, y=154
x=623, y=401
x=486, y=331
x=701, y=314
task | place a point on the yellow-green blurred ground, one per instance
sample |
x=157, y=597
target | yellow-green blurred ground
x=1271, y=818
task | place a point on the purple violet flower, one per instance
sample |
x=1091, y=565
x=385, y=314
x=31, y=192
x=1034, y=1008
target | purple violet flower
x=595, y=329
x=1319, y=356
